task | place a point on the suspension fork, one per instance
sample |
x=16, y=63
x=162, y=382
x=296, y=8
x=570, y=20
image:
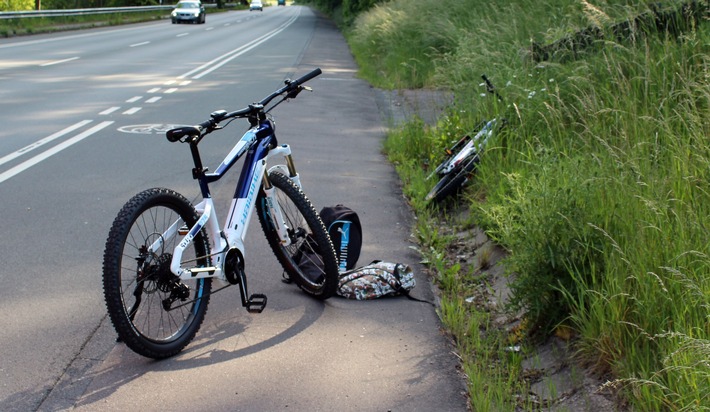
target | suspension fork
x=272, y=204
x=289, y=169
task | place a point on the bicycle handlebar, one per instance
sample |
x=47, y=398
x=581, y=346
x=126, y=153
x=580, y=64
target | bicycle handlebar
x=292, y=87
x=490, y=88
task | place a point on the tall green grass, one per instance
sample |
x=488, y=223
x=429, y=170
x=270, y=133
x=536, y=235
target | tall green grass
x=599, y=188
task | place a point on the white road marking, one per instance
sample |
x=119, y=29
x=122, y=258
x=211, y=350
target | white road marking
x=220, y=61
x=54, y=39
x=59, y=61
x=201, y=71
x=109, y=110
x=52, y=151
x=44, y=141
x=132, y=110
x=198, y=73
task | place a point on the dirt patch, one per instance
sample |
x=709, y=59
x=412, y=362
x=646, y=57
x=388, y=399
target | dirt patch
x=557, y=382
x=399, y=106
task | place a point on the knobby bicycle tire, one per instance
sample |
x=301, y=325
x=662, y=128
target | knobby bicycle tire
x=310, y=242
x=453, y=181
x=138, y=285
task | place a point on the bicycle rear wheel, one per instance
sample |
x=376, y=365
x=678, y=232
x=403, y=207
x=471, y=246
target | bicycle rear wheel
x=154, y=312
x=310, y=259
x=453, y=181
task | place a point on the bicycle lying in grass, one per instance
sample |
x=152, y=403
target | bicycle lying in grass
x=463, y=157
x=162, y=252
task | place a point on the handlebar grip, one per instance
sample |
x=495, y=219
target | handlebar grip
x=308, y=76
x=207, y=124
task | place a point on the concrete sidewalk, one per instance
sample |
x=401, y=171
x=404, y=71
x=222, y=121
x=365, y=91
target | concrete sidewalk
x=301, y=354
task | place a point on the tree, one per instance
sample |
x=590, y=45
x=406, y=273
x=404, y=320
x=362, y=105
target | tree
x=17, y=5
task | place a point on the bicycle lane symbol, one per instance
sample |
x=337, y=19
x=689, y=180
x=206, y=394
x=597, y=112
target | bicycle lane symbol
x=155, y=128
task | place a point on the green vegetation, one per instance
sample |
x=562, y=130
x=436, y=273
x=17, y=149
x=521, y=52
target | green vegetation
x=599, y=187
x=17, y=5
x=21, y=26
x=35, y=25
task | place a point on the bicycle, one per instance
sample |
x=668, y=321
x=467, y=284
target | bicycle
x=463, y=157
x=162, y=251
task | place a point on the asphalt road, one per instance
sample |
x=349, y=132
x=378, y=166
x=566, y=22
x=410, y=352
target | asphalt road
x=83, y=116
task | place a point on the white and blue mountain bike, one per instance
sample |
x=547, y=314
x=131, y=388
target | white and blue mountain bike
x=162, y=251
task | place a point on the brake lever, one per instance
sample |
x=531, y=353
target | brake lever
x=293, y=93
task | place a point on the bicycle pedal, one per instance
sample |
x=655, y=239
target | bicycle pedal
x=256, y=303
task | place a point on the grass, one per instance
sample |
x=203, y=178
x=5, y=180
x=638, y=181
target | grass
x=492, y=369
x=599, y=189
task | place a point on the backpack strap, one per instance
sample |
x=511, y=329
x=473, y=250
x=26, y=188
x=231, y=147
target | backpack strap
x=398, y=287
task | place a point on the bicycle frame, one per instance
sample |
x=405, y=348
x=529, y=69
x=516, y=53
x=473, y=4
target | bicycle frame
x=473, y=147
x=259, y=143
x=163, y=250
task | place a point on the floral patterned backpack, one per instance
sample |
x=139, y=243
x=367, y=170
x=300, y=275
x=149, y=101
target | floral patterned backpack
x=376, y=280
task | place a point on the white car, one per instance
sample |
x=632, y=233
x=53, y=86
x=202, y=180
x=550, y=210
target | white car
x=256, y=5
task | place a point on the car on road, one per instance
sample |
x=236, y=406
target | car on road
x=256, y=5
x=189, y=11
x=281, y=2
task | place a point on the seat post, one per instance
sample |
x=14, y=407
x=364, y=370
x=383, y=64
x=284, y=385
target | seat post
x=198, y=172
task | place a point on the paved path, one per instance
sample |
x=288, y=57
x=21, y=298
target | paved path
x=301, y=354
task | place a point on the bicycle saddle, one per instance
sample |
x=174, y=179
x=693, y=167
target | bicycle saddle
x=175, y=135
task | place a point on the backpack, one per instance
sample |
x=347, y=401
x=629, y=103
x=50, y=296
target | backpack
x=343, y=226
x=345, y=231
x=376, y=280
x=371, y=281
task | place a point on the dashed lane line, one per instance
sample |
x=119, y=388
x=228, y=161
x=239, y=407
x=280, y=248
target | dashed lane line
x=132, y=110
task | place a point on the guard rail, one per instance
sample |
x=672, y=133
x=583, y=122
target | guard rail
x=83, y=12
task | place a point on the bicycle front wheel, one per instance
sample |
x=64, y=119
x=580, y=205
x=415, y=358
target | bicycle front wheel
x=452, y=182
x=154, y=312
x=309, y=259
